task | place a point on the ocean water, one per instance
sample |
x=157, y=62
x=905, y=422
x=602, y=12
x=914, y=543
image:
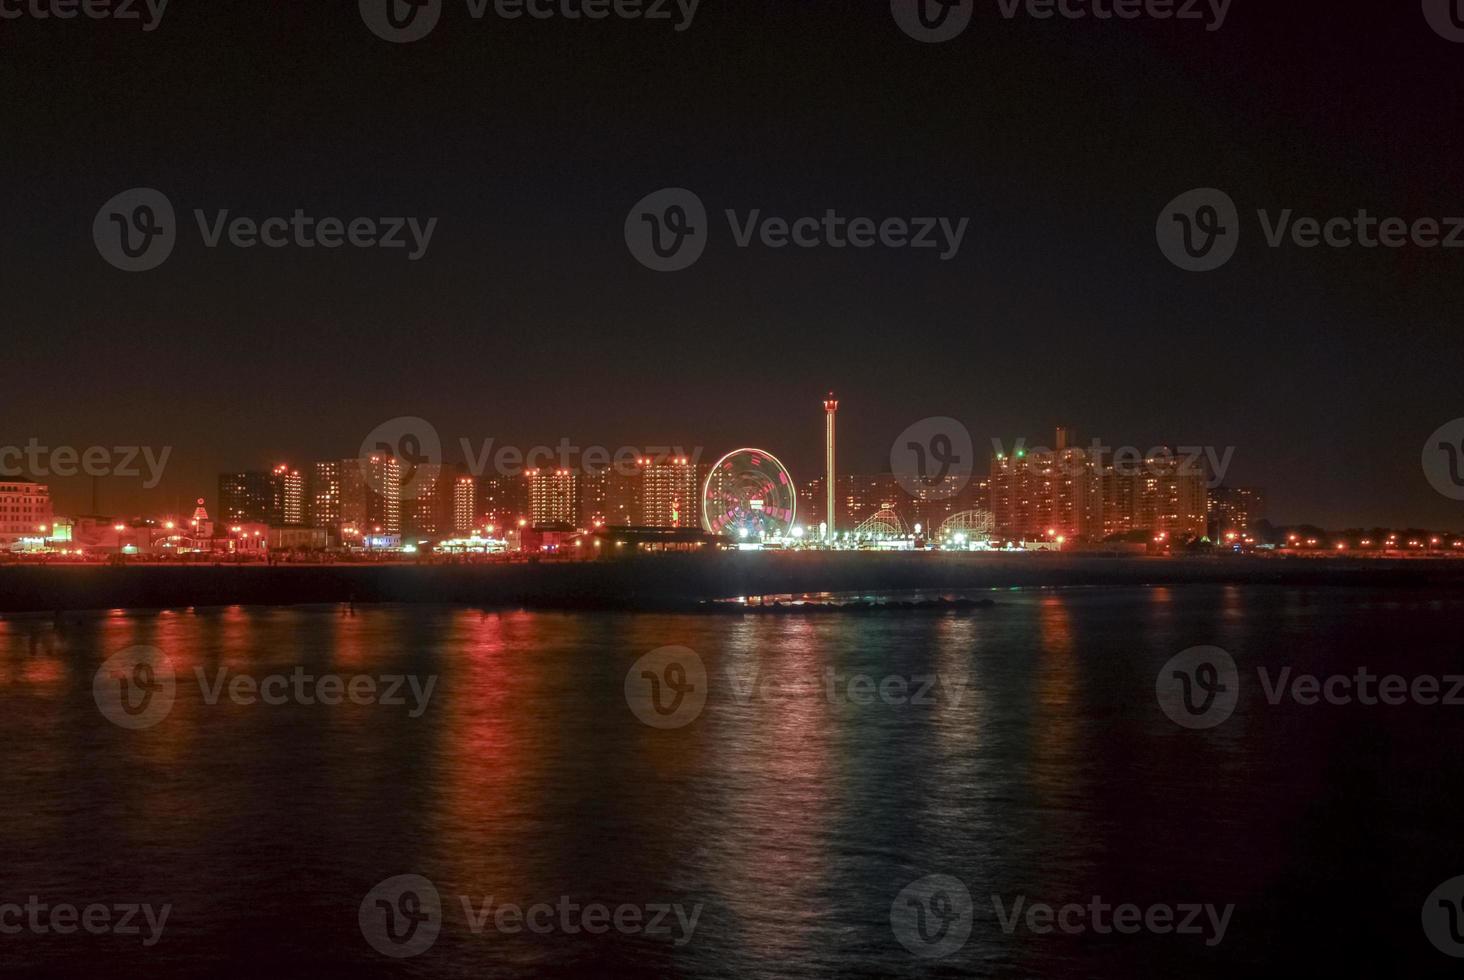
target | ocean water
x=891, y=794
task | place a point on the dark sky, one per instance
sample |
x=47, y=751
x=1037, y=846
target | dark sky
x=529, y=320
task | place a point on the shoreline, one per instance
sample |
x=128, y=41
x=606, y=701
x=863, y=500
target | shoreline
x=667, y=583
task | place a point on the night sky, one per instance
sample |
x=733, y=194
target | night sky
x=529, y=320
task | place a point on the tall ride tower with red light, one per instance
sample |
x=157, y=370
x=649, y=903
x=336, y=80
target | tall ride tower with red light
x=831, y=408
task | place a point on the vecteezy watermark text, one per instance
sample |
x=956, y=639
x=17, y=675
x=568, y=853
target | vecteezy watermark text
x=148, y=12
x=932, y=917
x=1200, y=230
x=403, y=916
x=1209, y=462
x=835, y=687
x=97, y=919
x=933, y=21
x=1102, y=918
x=137, y=230
x=138, y=687
x=569, y=918
x=668, y=231
x=36, y=460
x=404, y=21
x=299, y=687
x=415, y=444
x=1200, y=688
x=566, y=455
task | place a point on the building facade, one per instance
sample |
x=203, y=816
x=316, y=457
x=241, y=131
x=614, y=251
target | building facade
x=553, y=497
x=288, y=504
x=502, y=500
x=1077, y=495
x=1235, y=510
x=25, y=512
x=359, y=495
x=670, y=494
x=248, y=497
x=464, y=504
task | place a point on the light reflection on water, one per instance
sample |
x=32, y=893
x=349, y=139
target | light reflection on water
x=1038, y=763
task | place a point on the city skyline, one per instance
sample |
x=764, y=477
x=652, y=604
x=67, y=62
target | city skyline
x=528, y=306
x=177, y=486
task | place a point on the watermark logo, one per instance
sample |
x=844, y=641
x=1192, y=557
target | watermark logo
x=96, y=919
x=1443, y=460
x=404, y=21
x=1206, y=920
x=149, y=12
x=896, y=690
x=1443, y=917
x=1102, y=10
x=667, y=231
x=593, y=918
x=401, y=21
x=66, y=461
x=667, y=688
x=402, y=916
x=135, y=689
x=298, y=687
x=932, y=917
x=933, y=21
x=1198, y=688
x=415, y=446
x=135, y=231
x=1446, y=17
x=625, y=461
x=1208, y=463
x=933, y=459
x=1199, y=230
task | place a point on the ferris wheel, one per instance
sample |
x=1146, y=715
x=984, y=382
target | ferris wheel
x=749, y=494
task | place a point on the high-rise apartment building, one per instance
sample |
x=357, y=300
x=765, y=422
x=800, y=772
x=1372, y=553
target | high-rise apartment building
x=1235, y=510
x=502, y=500
x=360, y=494
x=324, y=502
x=373, y=494
x=248, y=497
x=1172, y=498
x=464, y=504
x=1074, y=494
x=428, y=499
x=1045, y=493
x=287, y=497
x=670, y=496
x=553, y=497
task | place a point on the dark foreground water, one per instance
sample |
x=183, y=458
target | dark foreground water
x=788, y=827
